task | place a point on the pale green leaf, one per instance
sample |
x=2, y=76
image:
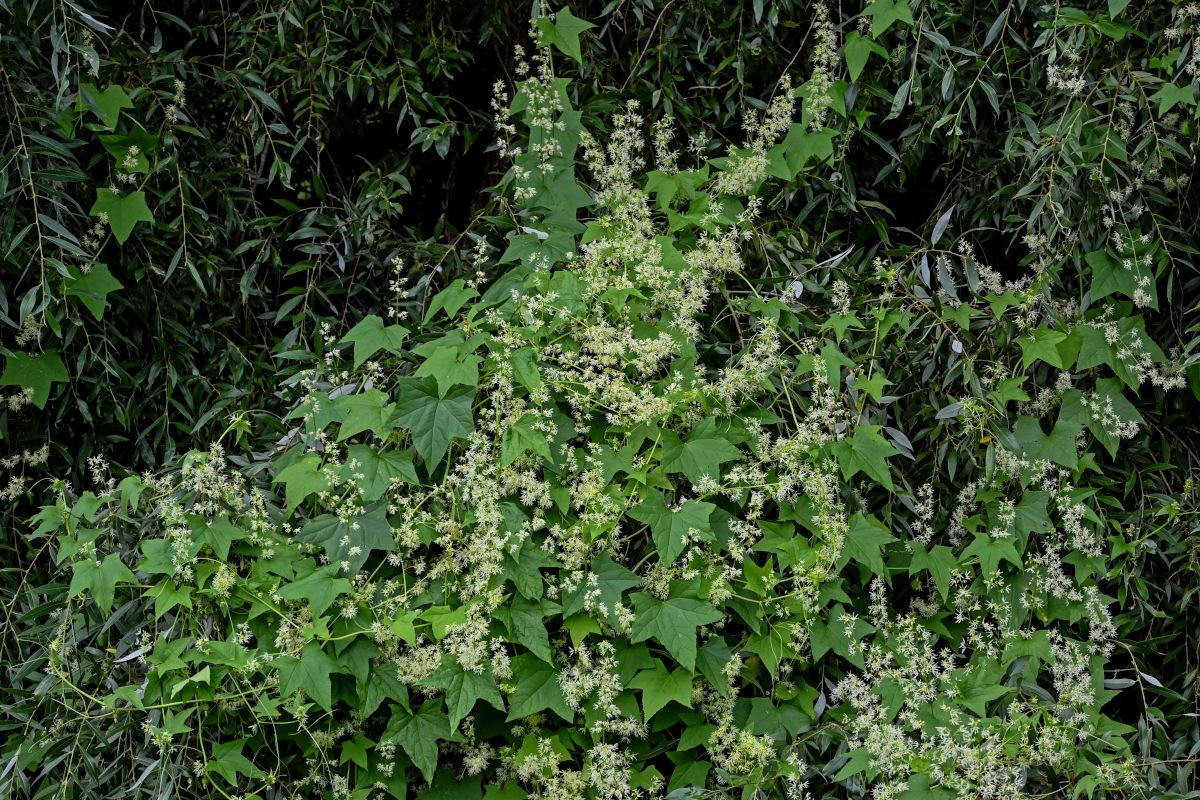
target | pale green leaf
x=702, y=454
x=310, y=672
x=350, y=543
x=866, y=451
x=374, y=471
x=605, y=583
x=419, y=734
x=107, y=105
x=367, y=411
x=448, y=368
x=864, y=541
x=521, y=437
x=319, y=588
x=563, y=33
x=302, y=479
x=884, y=13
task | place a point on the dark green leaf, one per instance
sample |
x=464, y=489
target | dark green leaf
x=538, y=689
x=673, y=529
x=122, y=213
x=435, y=420
x=464, y=687
x=34, y=372
x=310, y=672
x=371, y=335
x=672, y=623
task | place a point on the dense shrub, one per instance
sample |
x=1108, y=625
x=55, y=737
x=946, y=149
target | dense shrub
x=853, y=458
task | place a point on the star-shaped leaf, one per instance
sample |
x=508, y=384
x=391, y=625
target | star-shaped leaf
x=530, y=248
x=660, y=686
x=1109, y=404
x=840, y=635
x=835, y=359
x=463, y=688
x=1110, y=274
x=167, y=595
x=378, y=469
x=310, y=672
x=525, y=369
x=371, y=335
x=228, y=761
x=1169, y=95
x=107, y=104
x=435, y=419
x=320, y=410
x=672, y=623
x=841, y=322
x=302, y=479
x=702, y=454
x=563, y=32
x=521, y=437
x=100, y=579
x=93, y=288
x=992, y=551
x=939, y=562
x=122, y=212
x=319, y=588
x=1042, y=344
x=864, y=540
x=121, y=147
x=1058, y=447
x=538, y=689
x=383, y=684
x=448, y=367
x=885, y=12
x=800, y=149
x=419, y=734
x=367, y=411
x=857, y=50
x=979, y=687
x=450, y=299
x=606, y=582
x=672, y=529
x=563, y=195
x=218, y=533
x=867, y=451
x=527, y=627
x=356, y=751
x=34, y=372
x=874, y=386
x=167, y=654
x=524, y=569
x=350, y=543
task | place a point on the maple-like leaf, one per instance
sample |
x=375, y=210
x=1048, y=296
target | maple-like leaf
x=672, y=623
x=350, y=543
x=463, y=688
x=310, y=672
x=671, y=529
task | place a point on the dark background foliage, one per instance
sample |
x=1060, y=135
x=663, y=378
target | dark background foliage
x=319, y=143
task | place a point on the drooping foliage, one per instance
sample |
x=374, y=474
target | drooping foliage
x=831, y=437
